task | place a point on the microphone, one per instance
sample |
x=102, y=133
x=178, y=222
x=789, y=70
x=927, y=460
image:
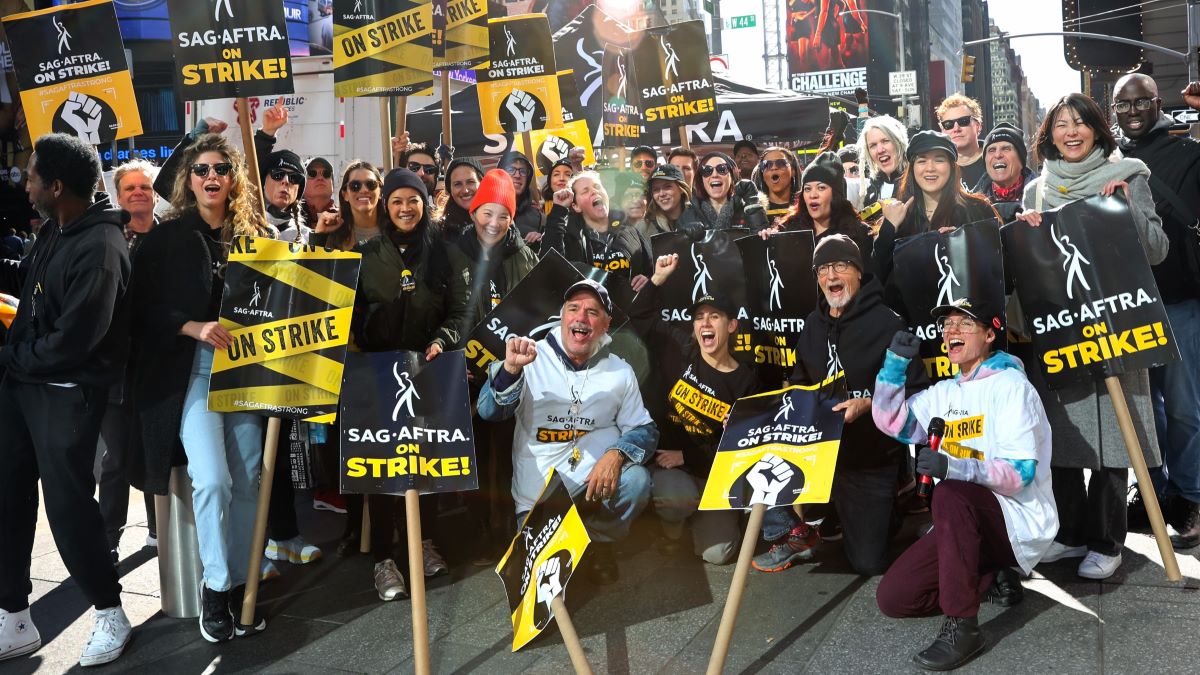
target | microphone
x=937, y=427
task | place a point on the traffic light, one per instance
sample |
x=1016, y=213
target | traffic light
x=968, y=68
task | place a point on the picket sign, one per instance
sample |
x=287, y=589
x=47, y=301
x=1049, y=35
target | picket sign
x=716, y=662
x=570, y=638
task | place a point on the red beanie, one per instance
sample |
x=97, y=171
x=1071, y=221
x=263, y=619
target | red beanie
x=496, y=187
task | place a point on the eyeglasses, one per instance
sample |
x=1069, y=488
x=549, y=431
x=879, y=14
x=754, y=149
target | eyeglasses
x=645, y=163
x=518, y=172
x=852, y=171
x=840, y=267
x=281, y=175
x=201, y=170
x=964, y=121
x=964, y=325
x=768, y=164
x=722, y=169
x=370, y=184
x=1138, y=104
x=323, y=173
x=429, y=169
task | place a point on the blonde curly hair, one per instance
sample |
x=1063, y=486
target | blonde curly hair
x=243, y=216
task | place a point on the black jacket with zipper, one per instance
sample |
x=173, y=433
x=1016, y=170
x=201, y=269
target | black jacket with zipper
x=72, y=322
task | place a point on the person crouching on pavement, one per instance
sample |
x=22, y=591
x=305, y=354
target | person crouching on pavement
x=994, y=508
x=568, y=380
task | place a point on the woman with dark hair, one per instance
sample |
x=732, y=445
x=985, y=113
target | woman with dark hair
x=358, y=200
x=723, y=200
x=462, y=181
x=529, y=218
x=931, y=198
x=560, y=174
x=1077, y=149
x=410, y=297
x=778, y=177
x=180, y=268
x=823, y=207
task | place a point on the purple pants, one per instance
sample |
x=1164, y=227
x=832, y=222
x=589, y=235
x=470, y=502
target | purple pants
x=947, y=570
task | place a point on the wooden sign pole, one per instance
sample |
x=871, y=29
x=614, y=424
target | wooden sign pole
x=716, y=662
x=385, y=130
x=570, y=637
x=416, y=574
x=684, y=141
x=447, y=131
x=1117, y=394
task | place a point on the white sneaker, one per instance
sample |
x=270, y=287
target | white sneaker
x=294, y=550
x=151, y=541
x=432, y=560
x=18, y=635
x=110, y=634
x=388, y=582
x=1099, y=566
x=1059, y=551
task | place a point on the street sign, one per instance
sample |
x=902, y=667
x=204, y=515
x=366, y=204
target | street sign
x=902, y=83
x=735, y=22
x=1182, y=114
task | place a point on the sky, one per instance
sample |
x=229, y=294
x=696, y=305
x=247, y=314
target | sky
x=1042, y=57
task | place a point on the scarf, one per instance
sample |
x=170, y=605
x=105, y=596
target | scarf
x=722, y=220
x=1008, y=194
x=410, y=244
x=1063, y=182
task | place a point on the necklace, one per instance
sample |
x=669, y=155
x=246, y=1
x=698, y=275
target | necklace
x=573, y=414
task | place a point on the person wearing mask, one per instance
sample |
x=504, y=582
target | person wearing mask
x=178, y=289
x=823, y=207
x=1005, y=159
x=529, y=218
x=643, y=159
x=66, y=346
x=1174, y=163
x=931, y=198
x=558, y=176
x=725, y=201
x=411, y=297
x=1077, y=146
x=701, y=361
x=318, y=189
x=961, y=118
x=462, y=181
x=779, y=179
x=669, y=204
x=688, y=162
x=745, y=155
x=119, y=450
x=882, y=152
x=496, y=260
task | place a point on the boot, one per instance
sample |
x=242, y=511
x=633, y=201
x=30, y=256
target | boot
x=1188, y=526
x=1006, y=589
x=957, y=642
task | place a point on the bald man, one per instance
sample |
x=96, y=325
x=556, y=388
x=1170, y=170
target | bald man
x=1175, y=180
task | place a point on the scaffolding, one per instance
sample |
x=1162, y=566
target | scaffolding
x=775, y=60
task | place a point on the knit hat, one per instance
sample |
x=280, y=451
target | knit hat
x=827, y=169
x=672, y=173
x=496, y=188
x=837, y=248
x=464, y=161
x=287, y=161
x=401, y=178
x=926, y=141
x=1007, y=132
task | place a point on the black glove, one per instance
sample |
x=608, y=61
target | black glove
x=445, y=154
x=746, y=191
x=930, y=463
x=905, y=344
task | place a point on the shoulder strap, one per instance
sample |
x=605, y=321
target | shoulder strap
x=1175, y=201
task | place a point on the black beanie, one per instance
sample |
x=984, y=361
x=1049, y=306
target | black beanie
x=927, y=141
x=286, y=160
x=1007, y=132
x=828, y=169
x=835, y=248
x=401, y=178
x=464, y=161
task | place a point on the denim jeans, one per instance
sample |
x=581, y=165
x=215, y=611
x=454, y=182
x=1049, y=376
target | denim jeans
x=610, y=520
x=224, y=451
x=1175, y=391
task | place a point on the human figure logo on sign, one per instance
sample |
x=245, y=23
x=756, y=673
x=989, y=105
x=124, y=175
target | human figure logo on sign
x=64, y=38
x=218, y=4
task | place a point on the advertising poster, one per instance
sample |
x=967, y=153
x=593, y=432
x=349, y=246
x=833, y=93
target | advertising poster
x=828, y=46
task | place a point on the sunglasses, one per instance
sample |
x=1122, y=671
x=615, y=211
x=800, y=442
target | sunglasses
x=518, y=172
x=201, y=170
x=323, y=173
x=283, y=176
x=964, y=121
x=645, y=163
x=852, y=171
x=722, y=169
x=370, y=184
x=768, y=164
x=429, y=169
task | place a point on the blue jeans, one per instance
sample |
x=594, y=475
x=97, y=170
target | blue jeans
x=610, y=520
x=1175, y=391
x=224, y=452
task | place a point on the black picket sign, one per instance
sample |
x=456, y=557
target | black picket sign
x=230, y=49
x=674, y=76
x=781, y=292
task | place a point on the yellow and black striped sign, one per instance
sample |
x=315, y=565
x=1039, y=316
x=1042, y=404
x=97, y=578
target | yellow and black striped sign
x=460, y=38
x=288, y=307
x=383, y=48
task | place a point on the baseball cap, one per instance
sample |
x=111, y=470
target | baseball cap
x=719, y=303
x=593, y=287
x=976, y=308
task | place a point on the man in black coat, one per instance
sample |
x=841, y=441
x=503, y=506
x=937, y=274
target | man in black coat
x=1143, y=132
x=849, y=331
x=67, y=347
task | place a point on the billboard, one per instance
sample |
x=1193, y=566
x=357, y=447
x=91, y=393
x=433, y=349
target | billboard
x=828, y=47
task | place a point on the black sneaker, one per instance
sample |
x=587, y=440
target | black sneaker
x=236, y=595
x=1188, y=526
x=216, y=623
x=957, y=642
x=1006, y=589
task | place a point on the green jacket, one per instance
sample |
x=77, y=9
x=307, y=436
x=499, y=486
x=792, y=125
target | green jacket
x=516, y=260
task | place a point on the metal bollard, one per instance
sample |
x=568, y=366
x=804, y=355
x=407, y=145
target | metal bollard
x=179, y=569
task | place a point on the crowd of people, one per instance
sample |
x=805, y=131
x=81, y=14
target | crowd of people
x=117, y=326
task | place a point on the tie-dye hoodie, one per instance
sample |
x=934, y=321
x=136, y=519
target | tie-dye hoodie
x=996, y=435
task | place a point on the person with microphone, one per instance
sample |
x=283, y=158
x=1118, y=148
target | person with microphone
x=993, y=509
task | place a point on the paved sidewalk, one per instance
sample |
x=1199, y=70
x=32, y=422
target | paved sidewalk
x=660, y=618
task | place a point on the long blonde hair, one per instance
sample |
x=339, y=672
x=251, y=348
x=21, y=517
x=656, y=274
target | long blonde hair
x=243, y=216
